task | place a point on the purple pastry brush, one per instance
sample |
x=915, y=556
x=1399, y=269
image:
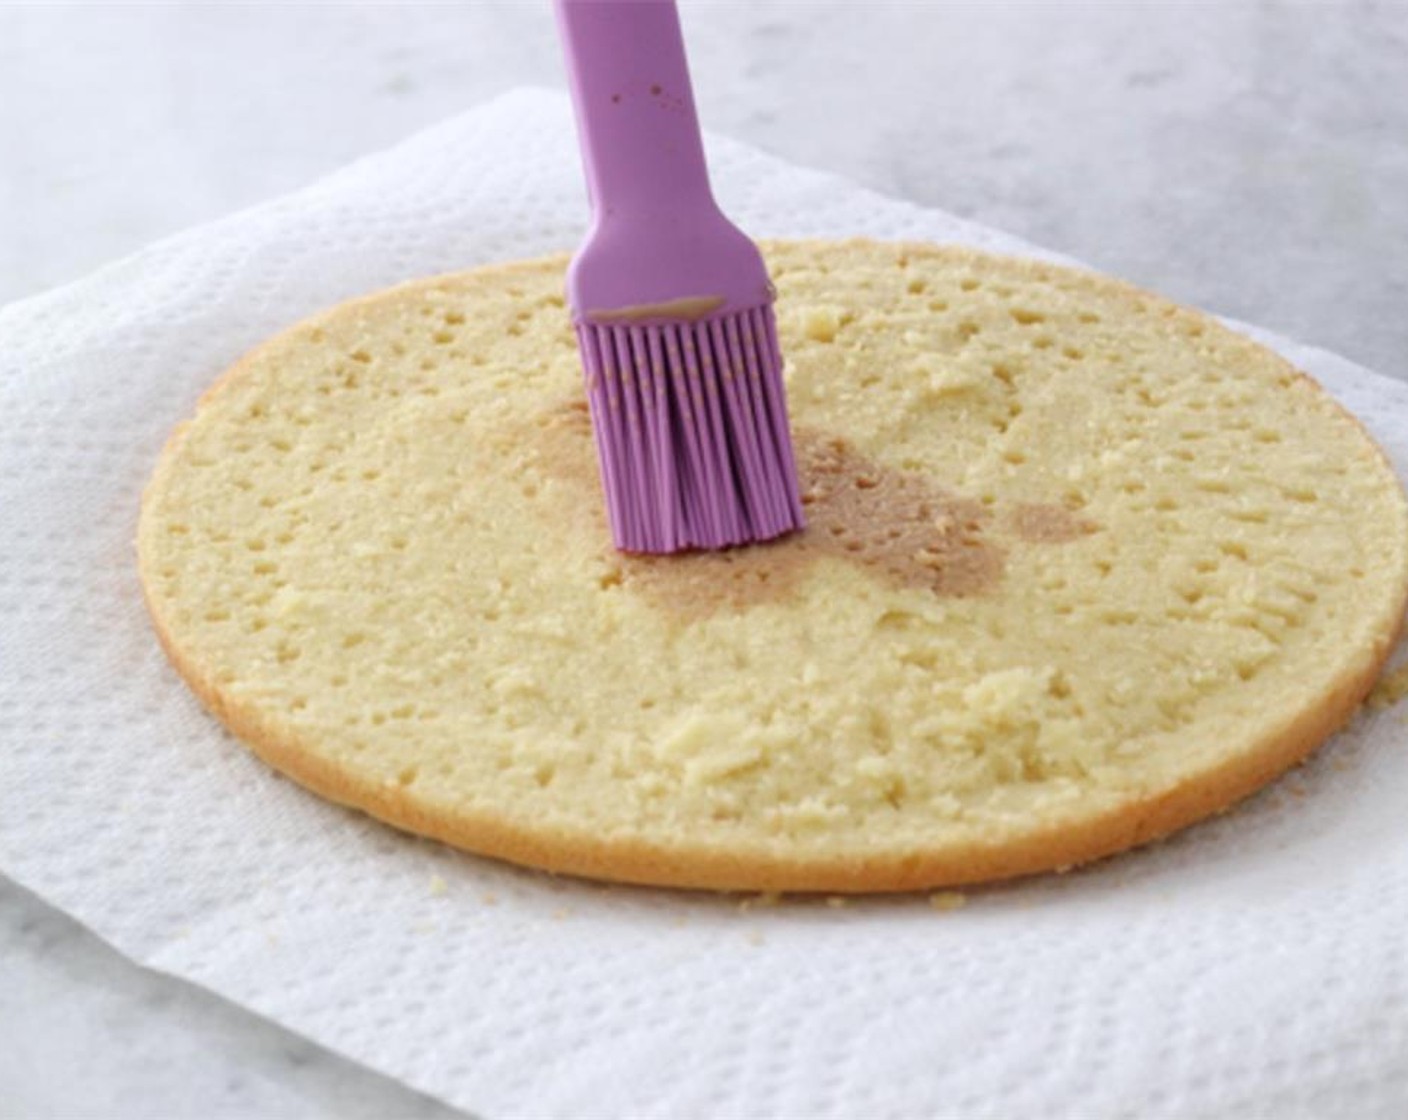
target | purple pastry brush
x=671, y=302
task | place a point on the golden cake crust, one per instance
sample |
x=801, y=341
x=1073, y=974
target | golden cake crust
x=702, y=837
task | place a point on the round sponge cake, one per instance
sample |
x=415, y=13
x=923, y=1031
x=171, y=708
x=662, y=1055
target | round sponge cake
x=1081, y=568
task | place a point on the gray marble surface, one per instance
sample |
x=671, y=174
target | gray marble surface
x=1247, y=157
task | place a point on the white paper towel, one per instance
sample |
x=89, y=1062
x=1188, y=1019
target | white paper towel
x=1256, y=965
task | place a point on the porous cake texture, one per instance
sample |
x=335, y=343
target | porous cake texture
x=1082, y=567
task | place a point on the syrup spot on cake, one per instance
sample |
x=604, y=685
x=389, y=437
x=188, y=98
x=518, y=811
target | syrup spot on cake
x=1044, y=523
x=893, y=523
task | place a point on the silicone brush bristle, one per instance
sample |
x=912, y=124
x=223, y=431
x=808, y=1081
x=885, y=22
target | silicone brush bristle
x=691, y=431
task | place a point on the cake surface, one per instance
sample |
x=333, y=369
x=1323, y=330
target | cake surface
x=1082, y=567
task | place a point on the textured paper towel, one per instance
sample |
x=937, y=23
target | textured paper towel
x=1255, y=965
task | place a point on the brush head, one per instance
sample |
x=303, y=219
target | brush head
x=690, y=419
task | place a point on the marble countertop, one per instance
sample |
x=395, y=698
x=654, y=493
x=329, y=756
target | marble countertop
x=1249, y=157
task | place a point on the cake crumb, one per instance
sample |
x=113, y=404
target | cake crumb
x=838, y=902
x=489, y=898
x=1392, y=687
x=438, y=886
x=948, y=900
x=562, y=913
x=756, y=938
x=821, y=324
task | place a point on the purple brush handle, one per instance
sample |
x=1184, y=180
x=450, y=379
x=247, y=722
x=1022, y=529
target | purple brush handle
x=657, y=235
